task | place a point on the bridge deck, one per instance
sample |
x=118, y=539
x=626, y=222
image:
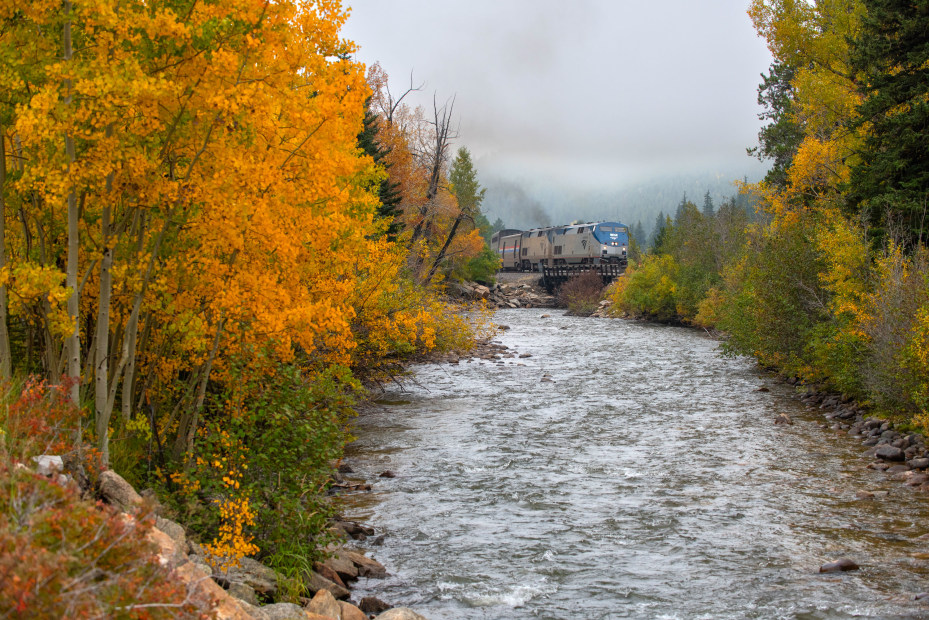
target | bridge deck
x=556, y=275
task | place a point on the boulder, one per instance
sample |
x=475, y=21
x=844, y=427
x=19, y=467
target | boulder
x=350, y=612
x=206, y=594
x=48, y=464
x=243, y=592
x=329, y=573
x=260, y=578
x=400, y=613
x=366, y=566
x=919, y=463
x=889, y=453
x=284, y=611
x=342, y=565
x=316, y=582
x=117, y=492
x=373, y=605
x=324, y=604
x=480, y=291
x=174, y=530
x=842, y=564
x=168, y=553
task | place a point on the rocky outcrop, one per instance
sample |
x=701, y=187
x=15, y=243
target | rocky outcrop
x=516, y=295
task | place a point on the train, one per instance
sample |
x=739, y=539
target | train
x=592, y=243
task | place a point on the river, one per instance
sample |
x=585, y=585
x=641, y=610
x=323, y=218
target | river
x=646, y=479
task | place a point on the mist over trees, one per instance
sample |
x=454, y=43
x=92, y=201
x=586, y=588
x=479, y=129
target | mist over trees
x=527, y=203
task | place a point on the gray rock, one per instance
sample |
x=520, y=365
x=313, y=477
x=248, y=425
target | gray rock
x=253, y=611
x=174, y=530
x=889, y=453
x=400, y=613
x=116, y=491
x=283, y=611
x=243, y=592
x=842, y=564
x=48, y=464
x=260, y=578
x=919, y=463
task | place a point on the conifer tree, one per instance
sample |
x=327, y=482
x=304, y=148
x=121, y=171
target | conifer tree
x=891, y=58
x=708, y=208
x=389, y=192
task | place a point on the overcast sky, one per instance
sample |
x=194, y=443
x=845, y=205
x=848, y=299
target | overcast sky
x=595, y=91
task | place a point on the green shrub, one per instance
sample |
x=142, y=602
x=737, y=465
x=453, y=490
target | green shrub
x=263, y=462
x=482, y=268
x=648, y=289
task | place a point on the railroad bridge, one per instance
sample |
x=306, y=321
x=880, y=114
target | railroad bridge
x=556, y=275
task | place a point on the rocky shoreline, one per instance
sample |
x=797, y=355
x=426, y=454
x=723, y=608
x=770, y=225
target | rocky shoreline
x=902, y=456
x=249, y=590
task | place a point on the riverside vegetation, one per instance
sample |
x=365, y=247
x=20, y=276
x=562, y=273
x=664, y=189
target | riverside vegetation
x=826, y=280
x=215, y=231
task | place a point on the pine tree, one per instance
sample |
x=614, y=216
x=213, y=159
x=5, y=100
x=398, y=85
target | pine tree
x=638, y=233
x=779, y=139
x=660, y=224
x=891, y=58
x=680, y=208
x=708, y=207
x=389, y=194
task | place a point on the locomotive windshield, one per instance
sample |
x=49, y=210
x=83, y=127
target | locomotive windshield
x=612, y=233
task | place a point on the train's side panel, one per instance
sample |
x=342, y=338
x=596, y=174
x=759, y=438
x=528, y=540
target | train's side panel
x=509, y=251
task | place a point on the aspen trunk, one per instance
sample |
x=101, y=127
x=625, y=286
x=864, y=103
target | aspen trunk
x=101, y=357
x=6, y=359
x=73, y=343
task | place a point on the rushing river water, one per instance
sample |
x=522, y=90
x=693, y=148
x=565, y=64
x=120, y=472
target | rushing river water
x=646, y=480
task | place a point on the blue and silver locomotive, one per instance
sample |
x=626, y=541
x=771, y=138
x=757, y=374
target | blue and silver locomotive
x=593, y=243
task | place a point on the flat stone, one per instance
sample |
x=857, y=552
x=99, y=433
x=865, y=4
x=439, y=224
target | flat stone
x=919, y=463
x=889, y=453
x=283, y=611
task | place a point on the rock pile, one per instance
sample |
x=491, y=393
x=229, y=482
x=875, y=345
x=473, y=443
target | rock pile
x=521, y=295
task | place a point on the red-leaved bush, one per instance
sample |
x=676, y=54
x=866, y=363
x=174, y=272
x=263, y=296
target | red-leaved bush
x=62, y=556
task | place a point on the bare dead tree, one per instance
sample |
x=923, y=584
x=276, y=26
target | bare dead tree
x=435, y=156
x=392, y=105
